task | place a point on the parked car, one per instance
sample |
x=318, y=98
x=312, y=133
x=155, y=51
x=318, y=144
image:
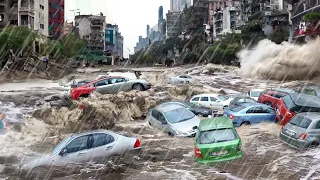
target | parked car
x=197, y=110
x=271, y=97
x=255, y=93
x=215, y=101
x=110, y=85
x=174, y=119
x=217, y=140
x=294, y=103
x=250, y=113
x=310, y=90
x=80, y=83
x=302, y=131
x=86, y=147
x=182, y=79
x=240, y=100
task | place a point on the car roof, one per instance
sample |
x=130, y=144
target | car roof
x=215, y=123
x=252, y=104
x=305, y=100
x=92, y=132
x=212, y=94
x=169, y=107
x=283, y=90
x=314, y=116
x=109, y=77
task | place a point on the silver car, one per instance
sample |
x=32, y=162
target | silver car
x=303, y=131
x=182, y=79
x=174, y=119
x=86, y=147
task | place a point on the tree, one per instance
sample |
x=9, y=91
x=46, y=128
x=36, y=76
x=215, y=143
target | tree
x=279, y=36
x=72, y=45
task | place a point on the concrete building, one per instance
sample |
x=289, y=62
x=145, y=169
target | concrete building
x=113, y=41
x=8, y=13
x=173, y=24
x=91, y=28
x=68, y=28
x=56, y=18
x=179, y=5
x=148, y=31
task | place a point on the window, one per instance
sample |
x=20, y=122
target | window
x=77, y=144
x=223, y=98
x=54, y=6
x=61, y=145
x=179, y=115
x=237, y=108
x=55, y=15
x=300, y=121
x=195, y=99
x=216, y=136
x=116, y=80
x=101, y=83
x=162, y=118
x=101, y=139
x=155, y=114
x=41, y=26
x=204, y=99
x=317, y=125
x=255, y=93
x=254, y=110
x=288, y=102
x=213, y=99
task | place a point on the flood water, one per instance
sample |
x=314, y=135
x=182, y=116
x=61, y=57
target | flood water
x=161, y=156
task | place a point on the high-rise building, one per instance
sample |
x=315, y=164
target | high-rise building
x=179, y=5
x=148, y=31
x=56, y=18
x=160, y=15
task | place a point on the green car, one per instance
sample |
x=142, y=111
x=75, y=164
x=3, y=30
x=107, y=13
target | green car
x=217, y=140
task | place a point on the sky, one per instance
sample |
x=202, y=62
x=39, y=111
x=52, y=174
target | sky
x=132, y=16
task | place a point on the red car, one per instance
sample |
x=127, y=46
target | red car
x=294, y=103
x=109, y=85
x=271, y=97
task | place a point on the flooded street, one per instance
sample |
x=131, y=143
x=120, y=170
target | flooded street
x=161, y=156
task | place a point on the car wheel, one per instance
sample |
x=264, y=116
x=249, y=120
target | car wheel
x=246, y=123
x=268, y=104
x=314, y=145
x=170, y=134
x=138, y=87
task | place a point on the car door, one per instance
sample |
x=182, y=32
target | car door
x=103, y=86
x=77, y=150
x=103, y=145
x=269, y=114
x=255, y=115
x=204, y=101
x=153, y=120
x=216, y=103
x=163, y=124
x=118, y=84
x=195, y=100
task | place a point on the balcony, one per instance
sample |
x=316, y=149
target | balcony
x=304, y=7
x=218, y=20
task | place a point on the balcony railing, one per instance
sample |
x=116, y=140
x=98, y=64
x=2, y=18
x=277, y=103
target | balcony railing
x=305, y=6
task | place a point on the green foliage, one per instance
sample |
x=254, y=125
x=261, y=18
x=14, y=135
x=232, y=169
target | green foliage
x=313, y=16
x=72, y=45
x=279, y=36
x=17, y=38
x=190, y=57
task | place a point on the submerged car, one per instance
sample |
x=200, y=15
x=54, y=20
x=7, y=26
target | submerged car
x=215, y=101
x=109, y=85
x=240, y=100
x=86, y=147
x=182, y=79
x=217, y=140
x=302, y=131
x=197, y=110
x=250, y=113
x=174, y=119
x=255, y=93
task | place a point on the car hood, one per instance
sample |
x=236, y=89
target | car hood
x=186, y=126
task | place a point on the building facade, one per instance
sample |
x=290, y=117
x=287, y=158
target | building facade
x=179, y=5
x=8, y=13
x=91, y=28
x=68, y=28
x=113, y=41
x=173, y=24
x=56, y=18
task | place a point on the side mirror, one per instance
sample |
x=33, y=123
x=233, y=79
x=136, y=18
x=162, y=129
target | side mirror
x=63, y=152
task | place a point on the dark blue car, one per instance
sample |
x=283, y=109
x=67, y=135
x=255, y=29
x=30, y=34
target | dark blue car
x=250, y=113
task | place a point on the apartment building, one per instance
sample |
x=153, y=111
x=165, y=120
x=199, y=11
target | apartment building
x=113, y=43
x=8, y=13
x=173, y=24
x=68, y=28
x=91, y=28
x=179, y=5
x=56, y=18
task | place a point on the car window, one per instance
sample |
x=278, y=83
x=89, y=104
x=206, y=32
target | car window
x=162, y=118
x=61, y=145
x=155, y=114
x=213, y=99
x=216, y=136
x=223, y=98
x=204, y=99
x=300, y=121
x=278, y=96
x=77, y=144
x=256, y=110
x=247, y=100
x=289, y=103
x=101, y=83
x=183, y=77
x=317, y=125
x=195, y=99
x=179, y=115
x=267, y=110
x=116, y=80
x=255, y=93
x=101, y=139
x=237, y=108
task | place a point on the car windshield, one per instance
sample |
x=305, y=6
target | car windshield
x=217, y=135
x=179, y=115
x=223, y=98
x=60, y=145
x=237, y=108
x=301, y=121
x=255, y=93
x=289, y=103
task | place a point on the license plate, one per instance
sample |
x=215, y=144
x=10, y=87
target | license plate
x=220, y=153
x=290, y=133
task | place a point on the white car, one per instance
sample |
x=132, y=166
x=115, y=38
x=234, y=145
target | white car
x=182, y=79
x=86, y=147
x=255, y=93
x=215, y=101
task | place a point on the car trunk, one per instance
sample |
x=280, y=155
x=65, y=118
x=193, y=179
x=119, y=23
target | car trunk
x=219, y=150
x=293, y=131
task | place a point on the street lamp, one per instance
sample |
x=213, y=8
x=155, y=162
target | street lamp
x=74, y=11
